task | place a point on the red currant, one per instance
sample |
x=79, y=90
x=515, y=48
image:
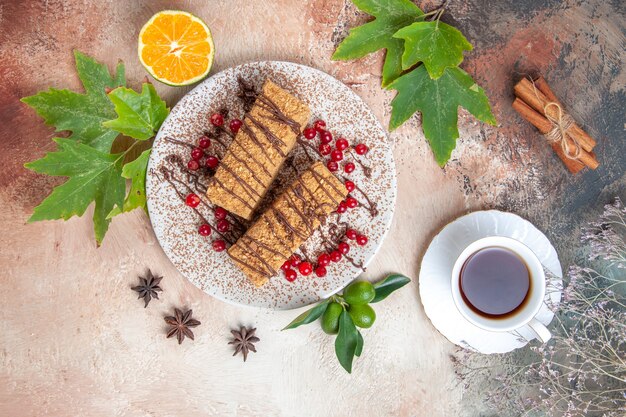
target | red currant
x=212, y=161
x=341, y=144
x=319, y=125
x=326, y=137
x=285, y=266
x=204, y=142
x=305, y=268
x=220, y=213
x=351, y=202
x=197, y=154
x=335, y=256
x=218, y=245
x=325, y=149
x=351, y=234
x=235, y=125
x=217, y=119
x=342, y=207
x=332, y=166
x=290, y=275
x=336, y=155
x=361, y=149
x=192, y=200
x=348, y=168
x=343, y=247
x=320, y=271
x=350, y=186
x=309, y=132
x=323, y=259
x=193, y=165
x=223, y=226
x=204, y=230
x=361, y=240
x=295, y=260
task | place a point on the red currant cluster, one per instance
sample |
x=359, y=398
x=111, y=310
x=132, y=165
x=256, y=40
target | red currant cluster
x=349, y=202
x=295, y=263
x=223, y=225
x=217, y=120
x=199, y=152
x=325, y=148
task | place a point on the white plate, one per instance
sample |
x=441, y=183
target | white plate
x=176, y=225
x=436, y=270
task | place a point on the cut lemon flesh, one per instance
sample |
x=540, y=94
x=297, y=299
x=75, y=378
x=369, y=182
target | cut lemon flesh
x=176, y=47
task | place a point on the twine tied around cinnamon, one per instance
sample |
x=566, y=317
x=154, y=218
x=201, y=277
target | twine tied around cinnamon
x=560, y=126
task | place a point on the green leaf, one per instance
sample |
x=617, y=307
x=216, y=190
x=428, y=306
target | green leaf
x=391, y=15
x=359, y=344
x=438, y=101
x=436, y=44
x=139, y=115
x=309, y=316
x=82, y=114
x=93, y=176
x=346, y=341
x=136, y=172
x=388, y=285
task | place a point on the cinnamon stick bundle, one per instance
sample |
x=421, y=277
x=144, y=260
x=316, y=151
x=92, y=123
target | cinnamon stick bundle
x=537, y=104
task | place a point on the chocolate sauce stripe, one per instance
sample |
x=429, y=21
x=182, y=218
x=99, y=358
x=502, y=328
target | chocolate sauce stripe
x=231, y=192
x=243, y=148
x=248, y=131
x=255, y=254
x=274, y=140
x=283, y=222
x=244, y=184
x=278, y=113
x=264, y=246
x=247, y=265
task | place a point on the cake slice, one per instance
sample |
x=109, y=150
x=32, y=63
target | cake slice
x=291, y=219
x=253, y=159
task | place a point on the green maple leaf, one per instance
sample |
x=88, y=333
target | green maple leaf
x=438, y=101
x=436, y=44
x=82, y=114
x=139, y=115
x=136, y=172
x=391, y=15
x=93, y=176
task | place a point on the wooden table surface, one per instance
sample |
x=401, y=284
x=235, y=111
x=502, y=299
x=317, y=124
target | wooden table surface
x=75, y=341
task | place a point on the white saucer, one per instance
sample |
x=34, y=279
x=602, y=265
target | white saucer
x=436, y=270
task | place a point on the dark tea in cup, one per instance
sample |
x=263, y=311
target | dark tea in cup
x=495, y=282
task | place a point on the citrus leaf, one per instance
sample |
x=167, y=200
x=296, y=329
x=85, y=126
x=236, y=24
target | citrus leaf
x=309, y=316
x=438, y=101
x=82, y=114
x=94, y=176
x=436, y=44
x=136, y=197
x=388, y=285
x=359, y=344
x=391, y=15
x=139, y=115
x=346, y=341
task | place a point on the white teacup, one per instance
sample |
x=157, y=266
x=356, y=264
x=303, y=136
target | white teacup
x=525, y=315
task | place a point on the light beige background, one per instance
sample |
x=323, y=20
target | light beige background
x=74, y=341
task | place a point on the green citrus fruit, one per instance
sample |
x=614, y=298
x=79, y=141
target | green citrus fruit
x=362, y=315
x=330, y=319
x=359, y=292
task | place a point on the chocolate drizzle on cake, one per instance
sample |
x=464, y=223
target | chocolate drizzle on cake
x=301, y=211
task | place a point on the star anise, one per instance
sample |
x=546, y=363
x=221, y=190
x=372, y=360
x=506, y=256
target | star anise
x=244, y=341
x=148, y=288
x=180, y=325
